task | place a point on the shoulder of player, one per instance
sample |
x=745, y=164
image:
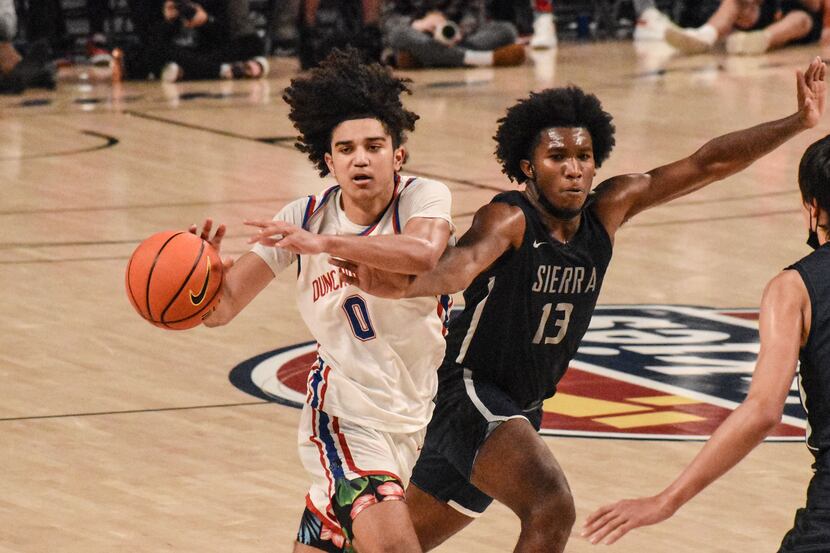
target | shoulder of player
x=615, y=187
x=501, y=219
x=411, y=185
x=786, y=289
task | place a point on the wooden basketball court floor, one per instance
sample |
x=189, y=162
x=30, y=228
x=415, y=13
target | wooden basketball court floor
x=118, y=436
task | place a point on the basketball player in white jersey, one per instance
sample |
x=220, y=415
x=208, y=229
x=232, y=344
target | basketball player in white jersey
x=370, y=391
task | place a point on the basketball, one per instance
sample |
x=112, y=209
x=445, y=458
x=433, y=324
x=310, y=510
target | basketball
x=173, y=279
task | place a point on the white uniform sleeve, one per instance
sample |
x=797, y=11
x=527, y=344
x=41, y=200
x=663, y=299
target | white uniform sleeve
x=426, y=198
x=278, y=258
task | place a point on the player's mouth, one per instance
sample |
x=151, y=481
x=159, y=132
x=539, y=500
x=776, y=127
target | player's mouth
x=362, y=178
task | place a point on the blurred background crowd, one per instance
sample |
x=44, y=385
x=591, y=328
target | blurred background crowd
x=174, y=40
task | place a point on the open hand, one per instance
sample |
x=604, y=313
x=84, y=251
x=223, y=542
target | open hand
x=611, y=522
x=215, y=241
x=811, y=90
x=287, y=236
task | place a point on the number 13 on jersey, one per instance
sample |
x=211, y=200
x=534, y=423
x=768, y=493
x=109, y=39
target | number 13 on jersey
x=561, y=325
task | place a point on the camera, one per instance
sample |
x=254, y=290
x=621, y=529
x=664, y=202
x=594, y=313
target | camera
x=187, y=10
x=447, y=33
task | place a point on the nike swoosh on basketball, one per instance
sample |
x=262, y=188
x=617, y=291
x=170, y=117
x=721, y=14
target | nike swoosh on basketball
x=537, y=244
x=196, y=299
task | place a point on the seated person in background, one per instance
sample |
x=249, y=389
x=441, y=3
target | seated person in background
x=752, y=27
x=448, y=33
x=16, y=72
x=329, y=24
x=209, y=39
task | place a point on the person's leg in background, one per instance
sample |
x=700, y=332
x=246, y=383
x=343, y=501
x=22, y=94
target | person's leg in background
x=797, y=25
x=97, y=11
x=544, y=28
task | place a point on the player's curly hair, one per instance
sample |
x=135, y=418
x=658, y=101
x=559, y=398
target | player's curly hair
x=520, y=130
x=814, y=173
x=341, y=88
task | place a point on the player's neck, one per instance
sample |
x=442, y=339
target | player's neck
x=562, y=230
x=366, y=209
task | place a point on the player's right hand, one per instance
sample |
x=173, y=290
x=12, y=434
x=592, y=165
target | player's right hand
x=215, y=241
x=374, y=281
x=611, y=522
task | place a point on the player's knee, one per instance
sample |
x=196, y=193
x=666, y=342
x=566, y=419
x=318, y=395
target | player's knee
x=553, y=511
x=802, y=23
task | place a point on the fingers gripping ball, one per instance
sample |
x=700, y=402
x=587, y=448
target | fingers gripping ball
x=174, y=279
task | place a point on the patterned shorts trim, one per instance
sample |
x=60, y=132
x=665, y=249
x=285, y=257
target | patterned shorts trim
x=351, y=498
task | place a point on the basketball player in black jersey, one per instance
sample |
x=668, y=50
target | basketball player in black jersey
x=532, y=265
x=794, y=326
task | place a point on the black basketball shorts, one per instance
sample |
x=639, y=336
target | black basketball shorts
x=811, y=529
x=466, y=412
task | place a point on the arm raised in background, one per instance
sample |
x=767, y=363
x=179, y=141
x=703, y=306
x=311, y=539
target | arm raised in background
x=622, y=197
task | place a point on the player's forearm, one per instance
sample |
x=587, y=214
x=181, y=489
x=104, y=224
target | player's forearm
x=744, y=429
x=396, y=253
x=728, y=154
x=453, y=273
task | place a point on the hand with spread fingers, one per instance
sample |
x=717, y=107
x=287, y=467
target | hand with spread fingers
x=376, y=282
x=611, y=522
x=287, y=236
x=811, y=92
x=215, y=241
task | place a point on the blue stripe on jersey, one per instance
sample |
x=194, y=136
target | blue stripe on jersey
x=335, y=464
x=316, y=379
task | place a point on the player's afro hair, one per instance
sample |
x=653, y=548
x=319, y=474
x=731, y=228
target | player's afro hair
x=814, y=173
x=341, y=88
x=519, y=131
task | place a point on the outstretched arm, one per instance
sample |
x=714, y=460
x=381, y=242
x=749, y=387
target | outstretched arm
x=784, y=307
x=496, y=228
x=622, y=197
x=415, y=251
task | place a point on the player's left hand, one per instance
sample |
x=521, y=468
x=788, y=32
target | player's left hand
x=287, y=236
x=812, y=91
x=611, y=522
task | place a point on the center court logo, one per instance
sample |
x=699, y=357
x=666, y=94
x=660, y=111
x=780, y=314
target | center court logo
x=661, y=372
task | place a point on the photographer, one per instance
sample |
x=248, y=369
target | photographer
x=448, y=33
x=184, y=39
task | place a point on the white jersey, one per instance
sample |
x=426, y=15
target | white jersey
x=379, y=356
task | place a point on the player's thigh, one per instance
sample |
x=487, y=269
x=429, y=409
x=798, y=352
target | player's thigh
x=434, y=520
x=385, y=527
x=516, y=467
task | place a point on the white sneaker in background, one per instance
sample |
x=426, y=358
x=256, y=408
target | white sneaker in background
x=651, y=25
x=688, y=41
x=544, y=32
x=171, y=72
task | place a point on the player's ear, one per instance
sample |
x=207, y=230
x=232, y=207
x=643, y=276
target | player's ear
x=399, y=157
x=329, y=162
x=527, y=169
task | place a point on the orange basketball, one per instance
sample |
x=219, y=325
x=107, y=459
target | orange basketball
x=174, y=278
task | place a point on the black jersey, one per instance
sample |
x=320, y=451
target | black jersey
x=526, y=315
x=814, y=373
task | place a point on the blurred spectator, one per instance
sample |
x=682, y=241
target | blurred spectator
x=329, y=24
x=518, y=12
x=448, y=33
x=752, y=27
x=183, y=39
x=16, y=72
x=284, y=18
